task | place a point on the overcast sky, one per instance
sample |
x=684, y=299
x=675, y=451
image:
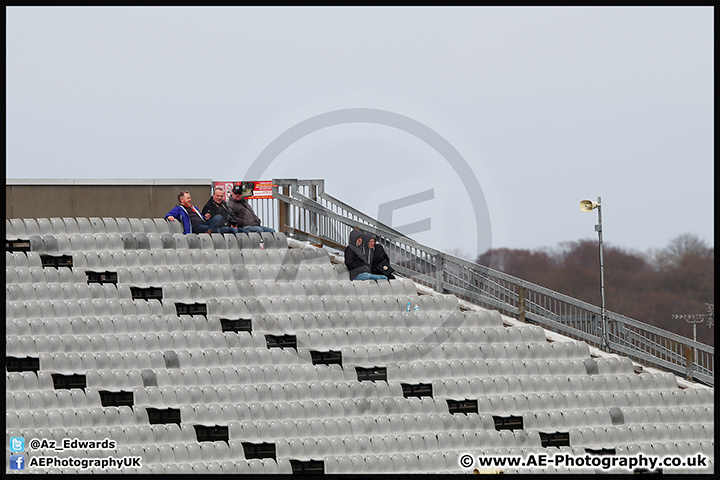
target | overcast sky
x=498, y=120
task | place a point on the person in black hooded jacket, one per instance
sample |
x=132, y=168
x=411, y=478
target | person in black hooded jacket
x=356, y=259
x=377, y=258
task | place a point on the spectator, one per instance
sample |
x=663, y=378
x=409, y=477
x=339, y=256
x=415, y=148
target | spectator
x=377, y=258
x=217, y=206
x=242, y=214
x=191, y=218
x=356, y=259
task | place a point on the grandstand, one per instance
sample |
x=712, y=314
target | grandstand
x=256, y=354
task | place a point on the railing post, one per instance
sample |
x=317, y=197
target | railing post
x=439, y=269
x=283, y=208
x=521, y=304
x=314, y=227
x=688, y=361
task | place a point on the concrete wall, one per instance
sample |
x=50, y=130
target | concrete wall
x=40, y=198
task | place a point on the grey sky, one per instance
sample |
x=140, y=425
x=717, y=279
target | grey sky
x=548, y=106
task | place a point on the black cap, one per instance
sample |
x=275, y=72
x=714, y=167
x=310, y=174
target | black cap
x=237, y=189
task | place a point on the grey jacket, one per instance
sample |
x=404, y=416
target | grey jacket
x=242, y=214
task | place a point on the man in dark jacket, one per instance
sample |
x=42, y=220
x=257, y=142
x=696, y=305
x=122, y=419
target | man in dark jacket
x=377, y=258
x=242, y=214
x=217, y=206
x=356, y=259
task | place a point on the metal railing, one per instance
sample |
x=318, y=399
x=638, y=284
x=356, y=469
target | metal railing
x=306, y=210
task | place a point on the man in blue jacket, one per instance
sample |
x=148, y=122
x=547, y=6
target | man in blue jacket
x=191, y=218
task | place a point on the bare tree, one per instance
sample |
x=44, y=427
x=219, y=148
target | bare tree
x=680, y=249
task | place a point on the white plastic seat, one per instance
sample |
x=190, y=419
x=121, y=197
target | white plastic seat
x=44, y=226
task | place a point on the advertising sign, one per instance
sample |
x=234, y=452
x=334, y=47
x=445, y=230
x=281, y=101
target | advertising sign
x=250, y=189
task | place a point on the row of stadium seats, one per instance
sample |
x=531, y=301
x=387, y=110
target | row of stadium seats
x=56, y=244
x=281, y=359
x=583, y=425
x=280, y=323
x=201, y=290
x=270, y=324
x=16, y=228
x=552, y=412
x=112, y=260
x=228, y=307
x=596, y=392
x=115, y=337
x=17, y=322
x=297, y=280
x=405, y=349
x=170, y=396
x=160, y=275
x=22, y=227
x=178, y=287
x=689, y=409
x=274, y=386
x=149, y=275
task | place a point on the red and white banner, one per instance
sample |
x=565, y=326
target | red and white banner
x=251, y=189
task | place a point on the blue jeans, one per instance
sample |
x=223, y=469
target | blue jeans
x=212, y=224
x=259, y=229
x=370, y=276
x=228, y=230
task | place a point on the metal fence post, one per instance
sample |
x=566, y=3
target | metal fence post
x=314, y=227
x=521, y=304
x=439, y=269
x=283, y=208
x=688, y=361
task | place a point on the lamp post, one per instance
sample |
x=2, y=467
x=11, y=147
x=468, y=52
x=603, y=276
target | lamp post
x=589, y=206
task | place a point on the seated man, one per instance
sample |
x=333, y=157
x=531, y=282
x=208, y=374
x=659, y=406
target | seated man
x=356, y=261
x=217, y=206
x=377, y=258
x=191, y=218
x=242, y=214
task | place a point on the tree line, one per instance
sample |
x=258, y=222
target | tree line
x=650, y=287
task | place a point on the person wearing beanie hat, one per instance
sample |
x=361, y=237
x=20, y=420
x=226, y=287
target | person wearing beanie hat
x=242, y=214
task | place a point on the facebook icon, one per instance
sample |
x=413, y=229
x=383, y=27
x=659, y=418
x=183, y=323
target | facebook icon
x=17, y=462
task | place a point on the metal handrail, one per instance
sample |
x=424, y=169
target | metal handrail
x=327, y=220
